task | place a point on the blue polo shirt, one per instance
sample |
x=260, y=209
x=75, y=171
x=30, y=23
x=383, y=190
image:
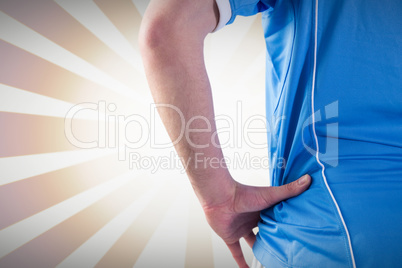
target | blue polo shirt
x=334, y=88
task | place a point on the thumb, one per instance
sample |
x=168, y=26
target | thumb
x=269, y=196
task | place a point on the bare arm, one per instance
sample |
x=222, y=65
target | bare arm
x=172, y=38
x=172, y=35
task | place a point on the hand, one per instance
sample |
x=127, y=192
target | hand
x=237, y=217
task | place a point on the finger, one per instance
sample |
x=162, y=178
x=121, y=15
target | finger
x=250, y=239
x=237, y=254
x=272, y=195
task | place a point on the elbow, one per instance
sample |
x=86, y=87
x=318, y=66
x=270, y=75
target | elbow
x=162, y=32
x=153, y=33
x=163, y=37
x=176, y=23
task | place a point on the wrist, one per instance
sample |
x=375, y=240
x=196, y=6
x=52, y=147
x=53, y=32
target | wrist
x=213, y=186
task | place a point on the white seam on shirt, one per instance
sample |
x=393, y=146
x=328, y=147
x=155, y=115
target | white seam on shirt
x=225, y=13
x=316, y=138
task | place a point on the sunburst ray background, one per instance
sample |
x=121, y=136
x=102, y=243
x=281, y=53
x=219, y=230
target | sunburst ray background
x=95, y=198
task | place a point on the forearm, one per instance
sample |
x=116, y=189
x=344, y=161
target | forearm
x=174, y=64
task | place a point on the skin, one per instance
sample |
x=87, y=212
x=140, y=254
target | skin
x=171, y=40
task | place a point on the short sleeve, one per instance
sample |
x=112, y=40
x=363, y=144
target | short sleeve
x=229, y=9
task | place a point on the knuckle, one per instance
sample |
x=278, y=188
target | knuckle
x=290, y=187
